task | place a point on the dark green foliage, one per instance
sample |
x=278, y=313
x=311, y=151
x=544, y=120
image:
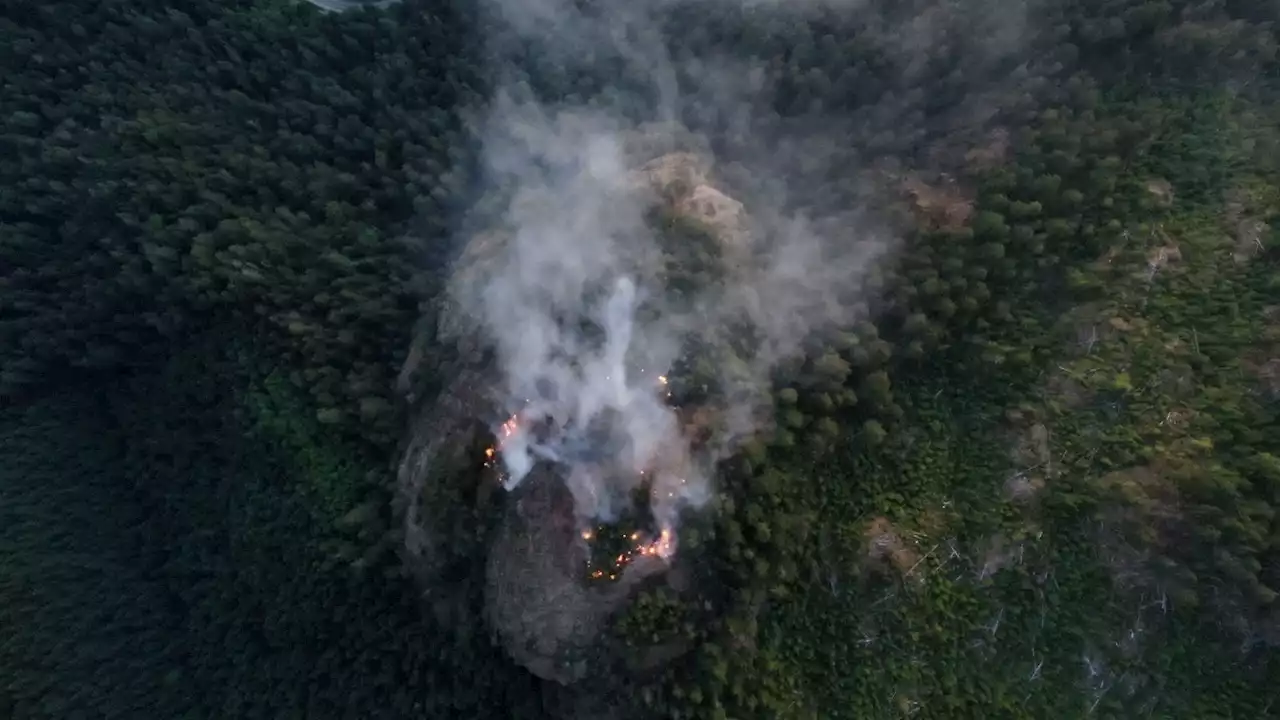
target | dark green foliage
x=262, y=167
x=192, y=556
x=88, y=629
x=1038, y=479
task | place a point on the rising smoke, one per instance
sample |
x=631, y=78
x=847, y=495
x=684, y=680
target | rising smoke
x=573, y=297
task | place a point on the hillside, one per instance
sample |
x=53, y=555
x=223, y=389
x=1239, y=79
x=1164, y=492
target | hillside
x=673, y=360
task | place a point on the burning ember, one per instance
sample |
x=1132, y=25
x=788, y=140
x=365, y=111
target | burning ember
x=637, y=545
x=515, y=423
x=611, y=547
x=509, y=428
x=505, y=432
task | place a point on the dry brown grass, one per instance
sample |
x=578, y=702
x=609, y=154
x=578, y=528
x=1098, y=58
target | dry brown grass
x=1161, y=190
x=887, y=549
x=942, y=205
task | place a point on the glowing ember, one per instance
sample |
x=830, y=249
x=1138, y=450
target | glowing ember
x=661, y=547
x=611, y=547
x=508, y=428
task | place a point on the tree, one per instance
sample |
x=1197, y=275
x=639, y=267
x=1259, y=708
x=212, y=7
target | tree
x=873, y=433
x=876, y=389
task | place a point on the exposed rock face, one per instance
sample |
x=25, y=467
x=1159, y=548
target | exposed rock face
x=545, y=616
x=725, y=216
x=673, y=175
x=1161, y=190
x=537, y=600
x=944, y=204
x=441, y=435
x=538, y=603
x=682, y=180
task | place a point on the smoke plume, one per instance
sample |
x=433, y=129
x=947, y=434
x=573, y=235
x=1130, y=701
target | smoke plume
x=573, y=292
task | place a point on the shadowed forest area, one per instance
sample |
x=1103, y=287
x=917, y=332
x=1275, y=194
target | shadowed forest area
x=1027, y=465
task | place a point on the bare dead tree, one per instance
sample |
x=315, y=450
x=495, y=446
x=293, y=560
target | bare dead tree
x=1153, y=266
x=1035, y=671
x=926, y=556
x=994, y=626
x=1090, y=341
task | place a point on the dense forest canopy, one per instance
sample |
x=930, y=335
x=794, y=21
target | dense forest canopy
x=683, y=359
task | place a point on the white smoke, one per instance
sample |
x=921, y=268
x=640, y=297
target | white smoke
x=560, y=302
x=572, y=295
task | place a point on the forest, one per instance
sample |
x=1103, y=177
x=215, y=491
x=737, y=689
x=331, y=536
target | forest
x=587, y=359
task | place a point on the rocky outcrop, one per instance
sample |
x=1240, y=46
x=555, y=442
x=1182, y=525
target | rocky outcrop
x=537, y=602
x=442, y=434
x=683, y=182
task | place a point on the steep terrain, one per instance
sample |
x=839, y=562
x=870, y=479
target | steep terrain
x=979, y=359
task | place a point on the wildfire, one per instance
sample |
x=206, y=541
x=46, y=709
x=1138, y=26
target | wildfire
x=621, y=546
x=662, y=546
x=509, y=428
x=505, y=431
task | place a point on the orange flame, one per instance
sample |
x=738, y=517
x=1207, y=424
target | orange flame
x=510, y=426
x=662, y=547
x=507, y=429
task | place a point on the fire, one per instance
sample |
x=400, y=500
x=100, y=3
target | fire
x=505, y=431
x=509, y=427
x=663, y=547
x=633, y=544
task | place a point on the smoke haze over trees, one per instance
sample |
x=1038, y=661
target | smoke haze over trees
x=681, y=359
